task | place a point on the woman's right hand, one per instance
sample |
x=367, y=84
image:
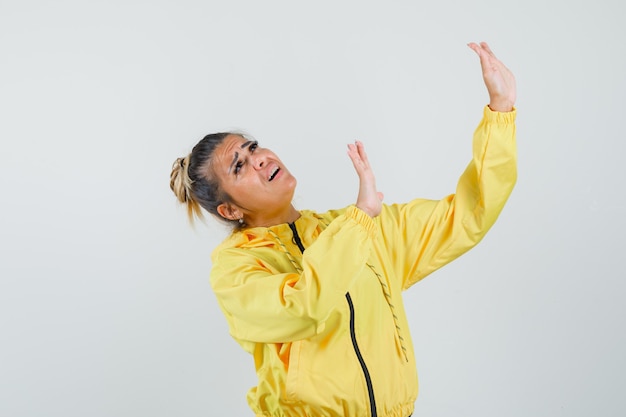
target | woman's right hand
x=369, y=199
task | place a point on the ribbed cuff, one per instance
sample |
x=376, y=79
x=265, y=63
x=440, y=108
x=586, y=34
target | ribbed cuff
x=497, y=117
x=361, y=217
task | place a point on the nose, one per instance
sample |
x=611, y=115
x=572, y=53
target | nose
x=258, y=160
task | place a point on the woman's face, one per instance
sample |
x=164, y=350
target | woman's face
x=255, y=178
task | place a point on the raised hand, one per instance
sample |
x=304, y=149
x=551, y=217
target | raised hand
x=369, y=199
x=499, y=79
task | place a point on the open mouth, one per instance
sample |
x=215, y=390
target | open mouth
x=273, y=173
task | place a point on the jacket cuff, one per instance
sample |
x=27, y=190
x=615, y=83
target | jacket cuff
x=496, y=117
x=362, y=218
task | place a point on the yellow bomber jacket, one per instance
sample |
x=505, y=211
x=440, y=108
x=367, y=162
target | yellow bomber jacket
x=318, y=303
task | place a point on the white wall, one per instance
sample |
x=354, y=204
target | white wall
x=105, y=307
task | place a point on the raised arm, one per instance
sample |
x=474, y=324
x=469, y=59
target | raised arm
x=269, y=296
x=424, y=235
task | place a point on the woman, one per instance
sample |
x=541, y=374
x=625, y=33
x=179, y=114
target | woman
x=316, y=298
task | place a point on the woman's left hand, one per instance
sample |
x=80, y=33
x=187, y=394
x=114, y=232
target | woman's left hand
x=499, y=79
x=369, y=199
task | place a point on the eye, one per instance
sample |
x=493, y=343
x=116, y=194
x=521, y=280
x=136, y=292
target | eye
x=253, y=146
x=238, y=167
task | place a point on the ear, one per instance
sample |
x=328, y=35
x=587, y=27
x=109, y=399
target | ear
x=229, y=211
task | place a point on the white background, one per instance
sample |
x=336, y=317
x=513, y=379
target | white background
x=105, y=306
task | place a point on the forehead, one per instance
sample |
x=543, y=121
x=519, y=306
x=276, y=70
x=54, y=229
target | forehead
x=225, y=151
x=231, y=143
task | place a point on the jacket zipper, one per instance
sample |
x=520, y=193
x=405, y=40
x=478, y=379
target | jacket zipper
x=368, y=380
x=355, y=345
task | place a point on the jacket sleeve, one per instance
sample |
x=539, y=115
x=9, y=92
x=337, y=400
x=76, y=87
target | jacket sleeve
x=266, y=305
x=423, y=235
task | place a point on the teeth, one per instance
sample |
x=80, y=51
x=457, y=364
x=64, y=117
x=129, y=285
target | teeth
x=273, y=174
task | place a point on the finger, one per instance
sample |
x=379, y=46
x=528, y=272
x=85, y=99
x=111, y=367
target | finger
x=352, y=152
x=495, y=62
x=487, y=48
x=354, y=156
x=474, y=47
x=486, y=60
x=361, y=149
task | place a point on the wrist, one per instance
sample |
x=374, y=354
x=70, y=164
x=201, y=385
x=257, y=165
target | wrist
x=502, y=106
x=365, y=210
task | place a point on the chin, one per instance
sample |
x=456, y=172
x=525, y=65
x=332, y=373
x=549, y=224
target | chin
x=292, y=189
x=292, y=182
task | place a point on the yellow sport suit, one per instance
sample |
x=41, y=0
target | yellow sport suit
x=318, y=302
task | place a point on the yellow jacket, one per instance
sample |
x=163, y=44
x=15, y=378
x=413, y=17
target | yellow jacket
x=327, y=326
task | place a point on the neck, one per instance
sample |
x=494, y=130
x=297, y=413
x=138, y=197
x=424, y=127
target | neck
x=290, y=215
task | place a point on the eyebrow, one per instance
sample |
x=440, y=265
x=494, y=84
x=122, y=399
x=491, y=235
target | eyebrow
x=234, y=161
x=243, y=146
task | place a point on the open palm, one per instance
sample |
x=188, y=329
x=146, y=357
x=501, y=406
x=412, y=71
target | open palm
x=498, y=78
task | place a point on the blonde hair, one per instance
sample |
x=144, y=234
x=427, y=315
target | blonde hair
x=181, y=185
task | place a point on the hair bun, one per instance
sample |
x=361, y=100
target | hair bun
x=180, y=183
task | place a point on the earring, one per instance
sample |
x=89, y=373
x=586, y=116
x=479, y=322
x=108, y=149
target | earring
x=241, y=220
